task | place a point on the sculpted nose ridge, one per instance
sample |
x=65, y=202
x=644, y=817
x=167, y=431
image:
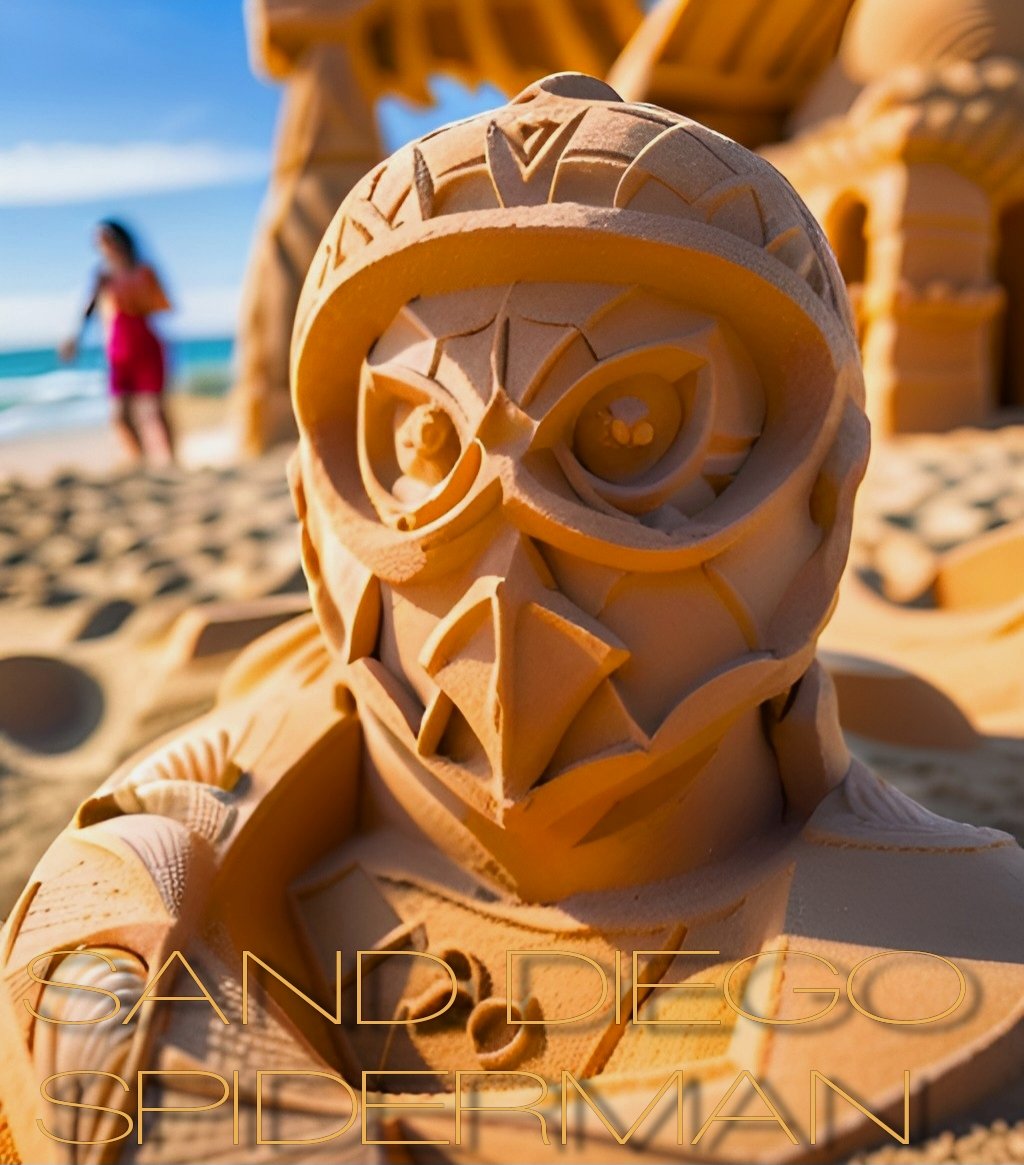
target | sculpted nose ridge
x=518, y=660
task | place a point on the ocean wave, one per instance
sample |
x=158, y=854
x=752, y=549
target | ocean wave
x=51, y=387
x=21, y=419
x=38, y=395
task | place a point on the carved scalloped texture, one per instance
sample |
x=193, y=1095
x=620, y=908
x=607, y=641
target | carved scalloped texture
x=202, y=758
x=82, y=1041
x=197, y=807
x=878, y=814
x=165, y=849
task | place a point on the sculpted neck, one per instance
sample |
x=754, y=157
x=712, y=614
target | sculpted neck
x=696, y=813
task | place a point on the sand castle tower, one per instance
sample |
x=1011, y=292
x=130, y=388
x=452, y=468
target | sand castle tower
x=909, y=151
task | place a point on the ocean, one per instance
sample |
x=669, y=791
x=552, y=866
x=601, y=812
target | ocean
x=39, y=394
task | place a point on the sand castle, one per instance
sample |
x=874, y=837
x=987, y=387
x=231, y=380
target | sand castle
x=909, y=151
x=581, y=423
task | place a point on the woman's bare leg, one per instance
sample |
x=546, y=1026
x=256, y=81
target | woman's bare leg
x=154, y=429
x=124, y=427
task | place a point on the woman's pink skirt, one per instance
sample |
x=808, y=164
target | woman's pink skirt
x=136, y=356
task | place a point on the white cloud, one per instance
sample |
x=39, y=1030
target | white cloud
x=29, y=321
x=48, y=174
x=205, y=311
x=43, y=320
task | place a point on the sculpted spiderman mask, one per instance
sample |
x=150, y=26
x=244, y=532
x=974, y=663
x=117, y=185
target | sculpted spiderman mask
x=578, y=393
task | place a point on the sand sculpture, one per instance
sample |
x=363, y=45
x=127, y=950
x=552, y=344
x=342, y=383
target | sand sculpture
x=581, y=424
x=337, y=58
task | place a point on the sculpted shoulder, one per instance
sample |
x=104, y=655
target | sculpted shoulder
x=879, y=870
x=914, y=922
x=153, y=833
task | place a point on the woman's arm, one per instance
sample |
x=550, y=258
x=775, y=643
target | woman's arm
x=67, y=350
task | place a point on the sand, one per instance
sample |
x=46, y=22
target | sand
x=125, y=594
x=123, y=597
x=926, y=495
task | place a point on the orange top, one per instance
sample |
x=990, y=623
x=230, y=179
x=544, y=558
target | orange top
x=135, y=291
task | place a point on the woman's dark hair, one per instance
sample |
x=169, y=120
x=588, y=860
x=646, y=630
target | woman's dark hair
x=121, y=236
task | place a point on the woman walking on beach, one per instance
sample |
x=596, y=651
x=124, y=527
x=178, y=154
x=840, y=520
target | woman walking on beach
x=126, y=292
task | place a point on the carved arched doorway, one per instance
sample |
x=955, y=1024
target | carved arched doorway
x=847, y=232
x=1010, y=273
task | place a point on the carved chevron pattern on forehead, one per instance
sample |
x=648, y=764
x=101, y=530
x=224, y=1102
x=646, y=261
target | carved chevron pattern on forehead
x=523, y=158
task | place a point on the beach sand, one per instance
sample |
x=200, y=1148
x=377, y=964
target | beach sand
x=124, y=595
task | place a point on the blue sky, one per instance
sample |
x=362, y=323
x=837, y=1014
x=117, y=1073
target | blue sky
x=146, y=110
